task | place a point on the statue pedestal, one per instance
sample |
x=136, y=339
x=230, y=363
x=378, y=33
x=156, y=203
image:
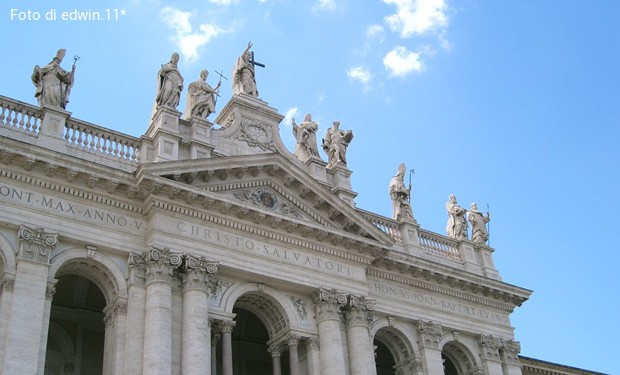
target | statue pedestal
x=316, y=169
x=340, y=178
x=164, y=131
x=53, y=126
x=200, y=146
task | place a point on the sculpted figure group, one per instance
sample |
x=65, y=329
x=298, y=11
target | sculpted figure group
x=458, y=218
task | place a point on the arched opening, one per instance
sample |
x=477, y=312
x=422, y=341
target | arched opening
x=384, y=359
x=457, y=360
x=76, y=335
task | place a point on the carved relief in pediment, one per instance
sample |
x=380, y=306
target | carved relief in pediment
x=268, y=199
x=256, y=134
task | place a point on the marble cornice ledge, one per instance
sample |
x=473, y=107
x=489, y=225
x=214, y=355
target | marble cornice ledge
x=424, y=274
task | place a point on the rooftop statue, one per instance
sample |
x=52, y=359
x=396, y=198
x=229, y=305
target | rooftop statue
x=335, y=145
x=305, y=134
x=53, y=83
x=457, y=224
x=244, y=79
x=479, y=234
x=169, y=84
x=201, y=97
x=400, y=194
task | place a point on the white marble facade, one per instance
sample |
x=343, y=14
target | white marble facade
x=211, y=249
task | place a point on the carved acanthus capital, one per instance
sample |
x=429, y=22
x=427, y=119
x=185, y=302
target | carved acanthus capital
x=7, y=283
x=429, y=334
x=227, y=326
x=35, y=244
x=293, y=340
x=274, y=350
x=359, y=311
x=489, y=347
x=312, y=343
x=112, y=312
x=327, y=304
x=510, y=352
x=160, y=265
x=137, y=269
x=408, y=366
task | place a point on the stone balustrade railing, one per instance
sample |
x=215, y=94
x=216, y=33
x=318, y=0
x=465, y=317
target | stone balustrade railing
x=19, y=116
x=389, y=226
x=439, y=245
x=95, y=139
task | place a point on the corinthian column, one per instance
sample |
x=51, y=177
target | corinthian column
x=226, y=328
x=358, y=316
x=293, y=341
x=274, y=350
x=327, y=305
x=157, y=357
x=196, y=359
x=429, y=335
x=489, y=353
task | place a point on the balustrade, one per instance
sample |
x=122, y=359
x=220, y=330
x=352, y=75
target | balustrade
x=19, y=116
x=94, y=139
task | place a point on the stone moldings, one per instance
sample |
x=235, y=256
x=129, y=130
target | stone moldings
x=35, y=244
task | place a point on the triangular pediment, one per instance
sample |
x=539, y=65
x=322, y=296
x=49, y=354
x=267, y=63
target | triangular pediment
x=265, y=189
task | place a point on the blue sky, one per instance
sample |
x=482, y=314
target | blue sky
x=514, y=104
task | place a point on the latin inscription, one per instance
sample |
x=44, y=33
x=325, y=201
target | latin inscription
x=71, y=209
x=265, y=250
x=427, y=300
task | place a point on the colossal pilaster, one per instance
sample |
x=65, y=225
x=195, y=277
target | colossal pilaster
x=429, y=335
x=489, y=354
x=327, y=304
x=196, y=334
x=510, y=357
x=29, y=314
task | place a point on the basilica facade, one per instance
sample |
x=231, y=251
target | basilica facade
x=207, y=247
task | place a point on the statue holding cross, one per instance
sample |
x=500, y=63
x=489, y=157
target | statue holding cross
x=244, y=79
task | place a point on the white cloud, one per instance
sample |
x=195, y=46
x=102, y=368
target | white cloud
x=290, y=114
x=361, y=74
x=324, y=5
x=224, y=2
x=417, y=16
x=400, y=62
x=374, y=31
x=188, y=40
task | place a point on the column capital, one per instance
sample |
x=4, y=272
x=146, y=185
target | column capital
x=293, y=339
x=429, y=334
x=8, y=282
x=196, y=272
x=274, y=350
x=160, y=265
x=409, y=366
x=489, y=347
x=227, y=326
x=510, y=352
x=328, y=303
x=116, y=308
x=359, y=311
x=36, y=244
x=312, y=343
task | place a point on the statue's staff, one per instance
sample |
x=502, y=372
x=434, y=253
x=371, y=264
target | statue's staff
x=75, y=59
x=411, y=171
x=217, y=88
x=489, y=225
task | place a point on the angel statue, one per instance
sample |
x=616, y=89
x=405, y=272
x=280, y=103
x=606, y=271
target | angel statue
x=399, y=193
x=335, y=145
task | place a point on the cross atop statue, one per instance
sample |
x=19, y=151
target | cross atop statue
x=253, y=62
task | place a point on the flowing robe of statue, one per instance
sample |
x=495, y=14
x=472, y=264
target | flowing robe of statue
x=305, y=135
x=53, y=82
x=335, y=145
x=169, y=84
x=200, y=100
x=399, y=193
x=244, y=80
x=478, y=221
x=457, y=224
